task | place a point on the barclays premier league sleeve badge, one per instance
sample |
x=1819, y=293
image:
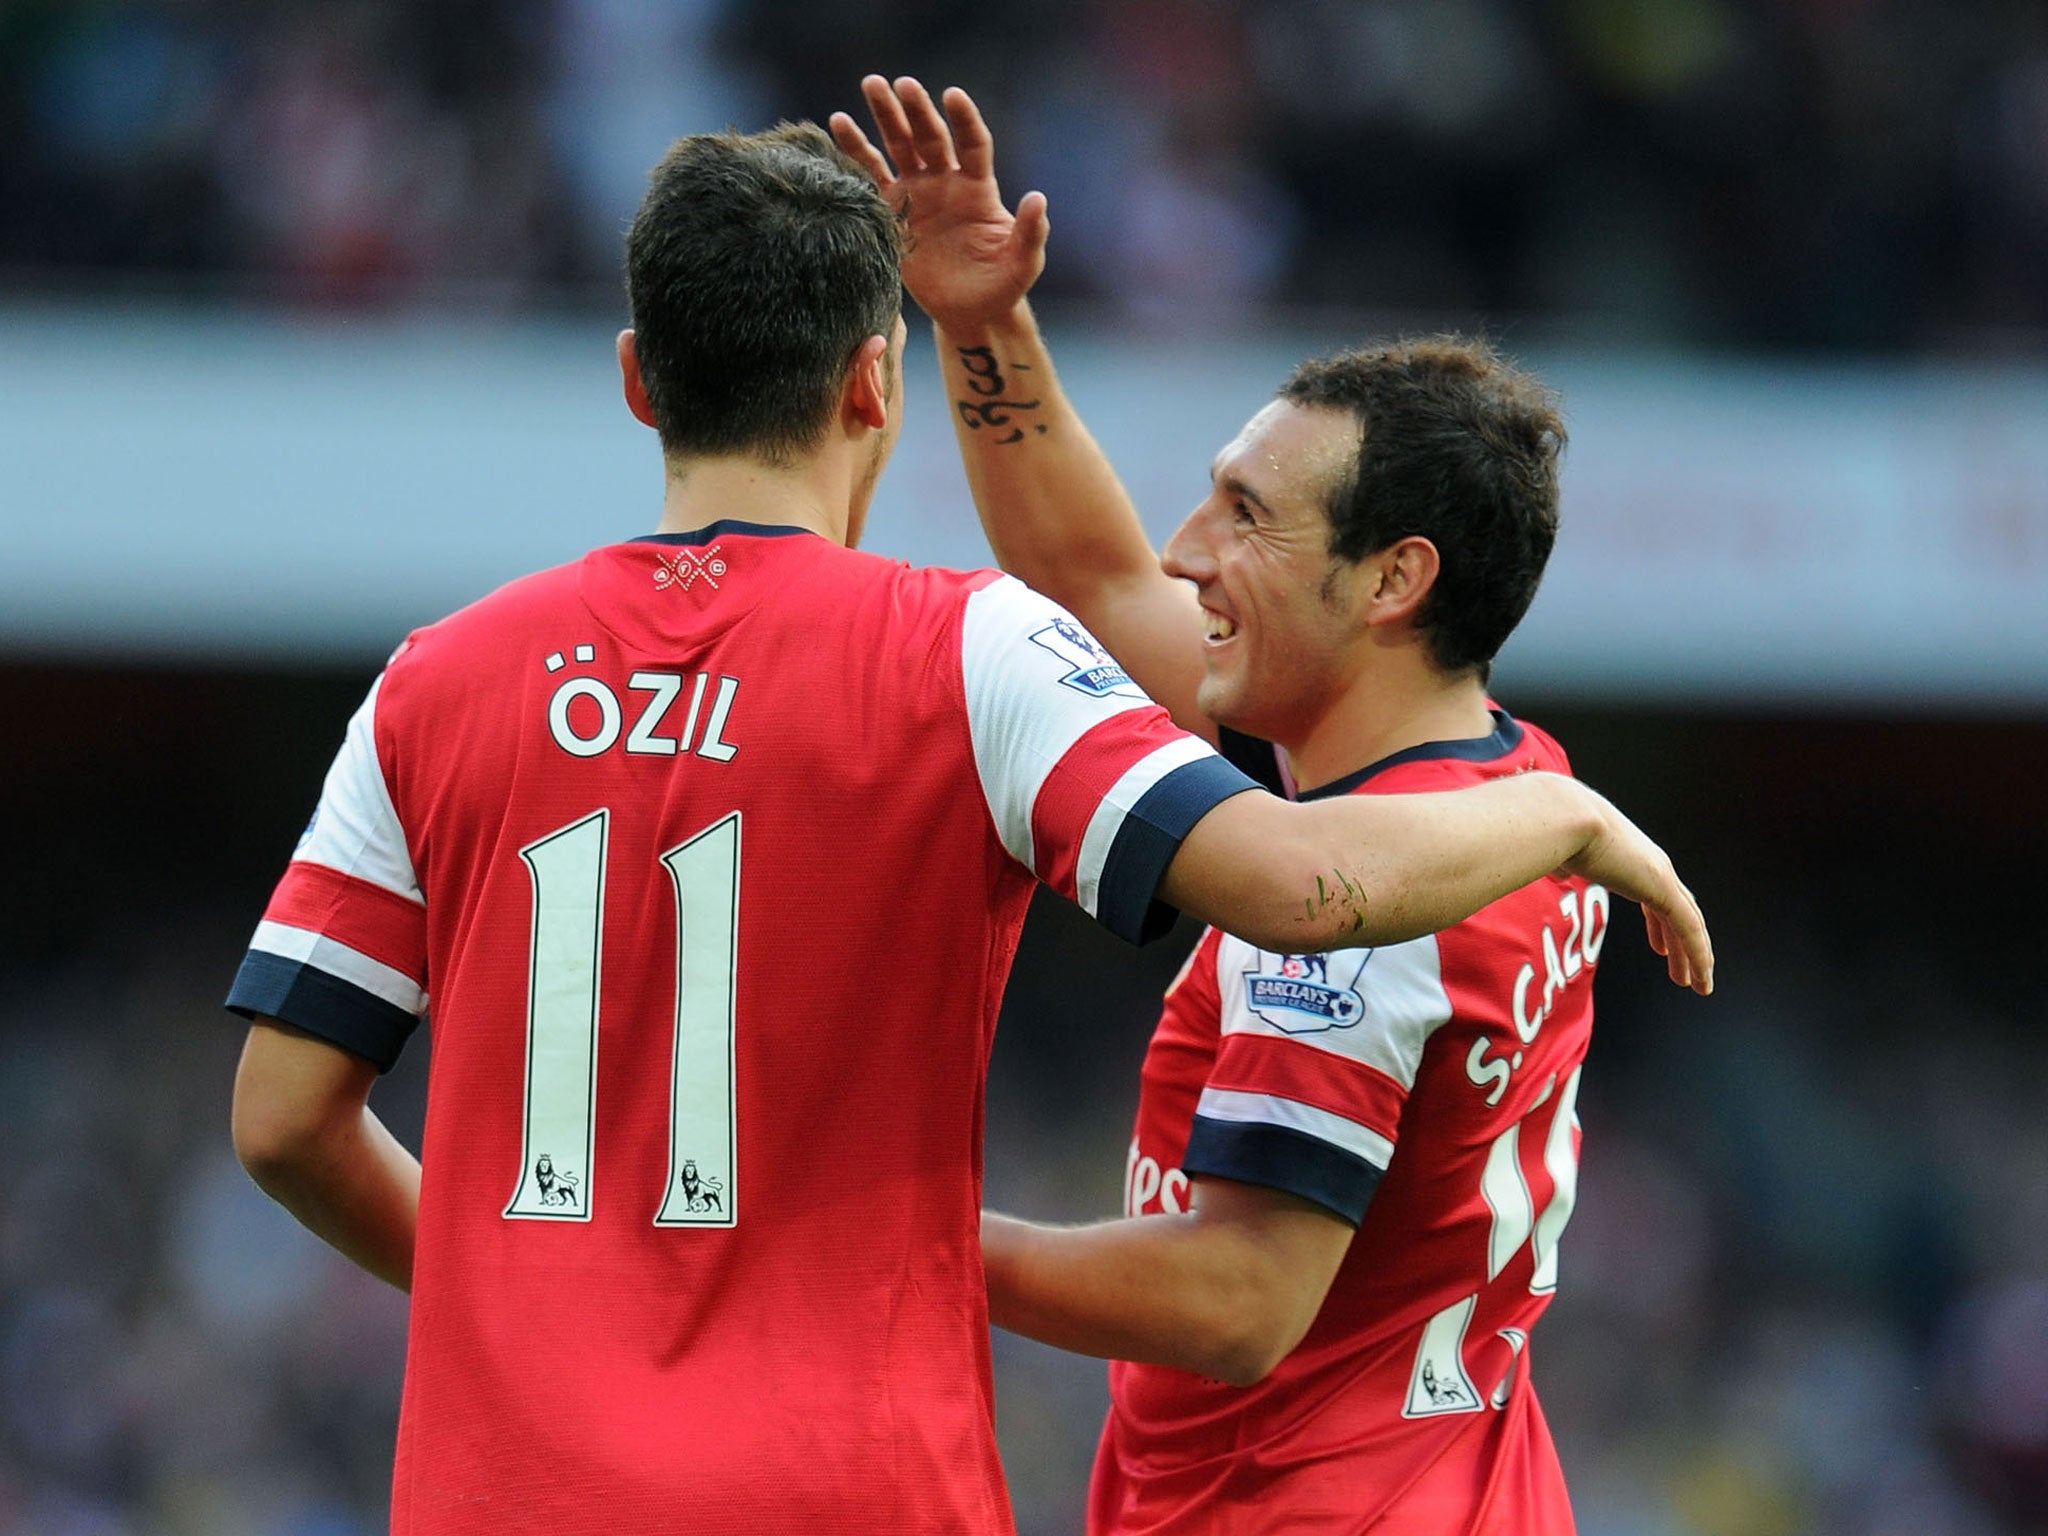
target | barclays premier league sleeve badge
x=1091, y=669
x=1307, y=994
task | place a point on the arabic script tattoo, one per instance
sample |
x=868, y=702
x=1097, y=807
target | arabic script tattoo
x=988, y=403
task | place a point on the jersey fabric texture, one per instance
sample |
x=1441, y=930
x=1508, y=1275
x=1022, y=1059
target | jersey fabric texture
x=1424, y=1091
x=713, y=850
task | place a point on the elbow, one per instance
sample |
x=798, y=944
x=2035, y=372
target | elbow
x=276, y=1141
x=1244, y=1354
x=1238, y=1368
x=1250, y=1331
x=267, y=1145
x=298, y=1108
x=1309, y=903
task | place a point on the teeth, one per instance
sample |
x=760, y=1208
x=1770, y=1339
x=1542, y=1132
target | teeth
x=1217, y=627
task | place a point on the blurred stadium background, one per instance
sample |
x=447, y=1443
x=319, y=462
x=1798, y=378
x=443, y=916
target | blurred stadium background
x=305, y=320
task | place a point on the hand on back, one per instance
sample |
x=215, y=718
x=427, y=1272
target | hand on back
x=968, y=260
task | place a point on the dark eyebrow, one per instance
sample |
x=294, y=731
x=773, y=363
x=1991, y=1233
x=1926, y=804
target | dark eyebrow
x=1237, y=487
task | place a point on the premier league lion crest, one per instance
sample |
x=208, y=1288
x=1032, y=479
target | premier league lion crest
x=1299, y=995
x=1091, y=670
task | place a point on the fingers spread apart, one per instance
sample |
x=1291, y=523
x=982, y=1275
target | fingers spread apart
x=929, y=130
x=970, y=134
x=847, y=135
x=891, y=123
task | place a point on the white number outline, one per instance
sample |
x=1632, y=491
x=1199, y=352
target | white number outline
x=705, y=871
x=563, y=995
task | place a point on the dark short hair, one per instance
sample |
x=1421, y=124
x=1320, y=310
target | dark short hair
x=1459, y=447
x=755, y=268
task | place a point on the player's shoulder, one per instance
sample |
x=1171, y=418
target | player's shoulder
x=909, y=589
x=986, y=615
x=479, y=630
x=439, y=662
x=918, y=611
x=1545, y=751
x=945, y=588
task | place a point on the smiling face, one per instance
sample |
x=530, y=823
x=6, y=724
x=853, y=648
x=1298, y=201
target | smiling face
x=1281, y=632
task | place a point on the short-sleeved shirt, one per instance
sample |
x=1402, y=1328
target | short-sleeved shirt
x=1425, y=1092
x=712, y=850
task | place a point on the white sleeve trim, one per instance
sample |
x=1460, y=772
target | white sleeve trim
x=322, y=953
x=1291, y=1114
x=1121, y=800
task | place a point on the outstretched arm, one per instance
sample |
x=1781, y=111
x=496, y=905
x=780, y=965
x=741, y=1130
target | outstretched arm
x=1225, y=1289
x=304, y=1131
x=1380, y=869
x=1054, y=511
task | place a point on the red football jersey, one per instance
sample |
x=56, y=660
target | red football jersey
x=713, y=850
x=1424, y=1091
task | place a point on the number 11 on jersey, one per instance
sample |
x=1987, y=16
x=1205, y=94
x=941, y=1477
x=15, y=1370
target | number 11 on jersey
x=556, y=1179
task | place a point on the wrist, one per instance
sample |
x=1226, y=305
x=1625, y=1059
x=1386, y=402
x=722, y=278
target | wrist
x=1013, y=324
x=1586, y=816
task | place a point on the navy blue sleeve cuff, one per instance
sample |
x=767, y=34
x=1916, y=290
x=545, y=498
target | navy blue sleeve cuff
x=338, y=1011
x=1278, y=1157
x=1257, y=757
x=1150, y=836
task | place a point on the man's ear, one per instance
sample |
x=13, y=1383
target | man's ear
x=1398, y=579
x=864, y=398
x=629, y=376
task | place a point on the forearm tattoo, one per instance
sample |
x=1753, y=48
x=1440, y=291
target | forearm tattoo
x=988, y=402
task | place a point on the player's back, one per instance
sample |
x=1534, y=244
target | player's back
x=1452, y=1064
x=717, y=930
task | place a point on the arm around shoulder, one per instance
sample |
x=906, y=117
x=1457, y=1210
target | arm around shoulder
x=1381, y=869
x=1373, y=869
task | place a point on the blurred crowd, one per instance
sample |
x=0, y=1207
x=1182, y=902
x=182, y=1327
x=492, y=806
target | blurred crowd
x=1867, y=174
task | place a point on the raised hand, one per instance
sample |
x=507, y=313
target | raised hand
x=968, y=260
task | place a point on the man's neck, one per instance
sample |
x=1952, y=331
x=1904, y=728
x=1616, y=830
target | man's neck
x=1386, y=714
x=813, y=493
